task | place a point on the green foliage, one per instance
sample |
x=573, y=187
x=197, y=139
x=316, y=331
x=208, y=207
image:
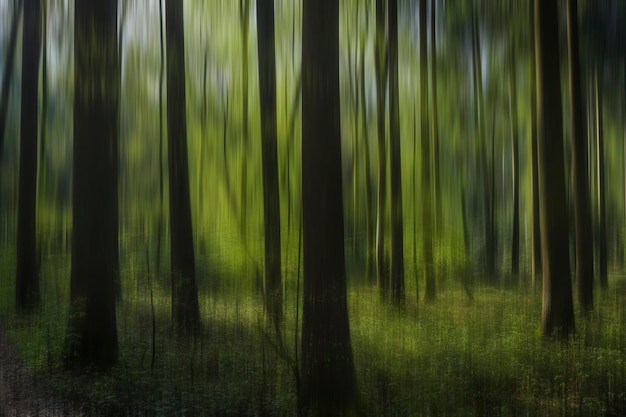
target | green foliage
x=453, y=357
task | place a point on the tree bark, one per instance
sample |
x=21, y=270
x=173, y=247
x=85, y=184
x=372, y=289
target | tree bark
x=515, y=167
x=536, y=265
x=380, y=54
x=437, y=203
x=558, y=313
x=185, y=310
x=602, y=249
x=490, y=245
x=397, y=236
x=272, y=282
x=92, y=335
x=427, y=203
x=244, y=20
x=328, y=385
x=7, y=74
x=27, y=268
x=369, y=218
x=582, y=204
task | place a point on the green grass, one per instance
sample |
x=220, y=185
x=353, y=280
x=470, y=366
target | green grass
x=449, y=358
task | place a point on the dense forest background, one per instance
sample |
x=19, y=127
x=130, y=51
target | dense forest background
x=355, y=207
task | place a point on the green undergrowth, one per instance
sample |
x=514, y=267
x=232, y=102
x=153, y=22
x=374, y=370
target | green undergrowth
x=453, y=357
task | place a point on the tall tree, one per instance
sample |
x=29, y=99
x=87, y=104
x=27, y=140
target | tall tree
x=515, y=167
x=328, y=386
x=27, y=268
x=369, y=218
x=185, y=310
x=381, y=67
x=434, y=119
x=536, y=228
x=92, y=334
x=580, y=184
x=271, y=205
x=480, y=125
x=397, y=238
x=558, y=312
x=7, y=74
x=244, y=23
x=427, y=243
x=601, y=190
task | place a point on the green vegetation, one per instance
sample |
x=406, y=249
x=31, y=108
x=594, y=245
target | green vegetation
x=393, y=154
x=454, y=357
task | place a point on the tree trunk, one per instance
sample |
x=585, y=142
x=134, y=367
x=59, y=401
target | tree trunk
x=602, y=249
x=244, y=20
x=427, y=203
x=515, y=140
x=536, y=228
x=397, y=238
x=272, y=282
x=582, y=205
x=92, y=334
x=479, y=111
x=369, y=218
x=558, y=312
x=380, y=54
x=7, y=74
x=437, y=203
x=328, y=385
x=27, y=268
x=185, y=311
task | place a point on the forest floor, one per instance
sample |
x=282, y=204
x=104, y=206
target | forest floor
x=21, y=394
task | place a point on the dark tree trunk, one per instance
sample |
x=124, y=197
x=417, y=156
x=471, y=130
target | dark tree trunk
x=437, y=203
x=161, y=176
x=185, y=311
x=328, y=385
x=397, y=238
x=380, y=53
x=536, y=266
x=582, y=205
x=92, y=334
x=515, y=140
x=27, y=271
x=602, y=249
x=272, y=283
x=479, y=111
x=558, y=312
x=427, y=203
x=7, y=74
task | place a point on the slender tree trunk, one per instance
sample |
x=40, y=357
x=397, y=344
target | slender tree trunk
x=602, y=249
x=244, y=16
x=582, y=205
x=427, y=203
x=381, y=91
x=328, y=385
x=27, y=268
x=397, y=226
x=558, y=312
x=185, y=311
x=437, y=203
x=369, y=218
x=536, y=266
x=482, y=139
x=515, y=140
x=7, y=74
x=161, y=176
x=92, y=335
x=44, y=95
x=272, y=282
